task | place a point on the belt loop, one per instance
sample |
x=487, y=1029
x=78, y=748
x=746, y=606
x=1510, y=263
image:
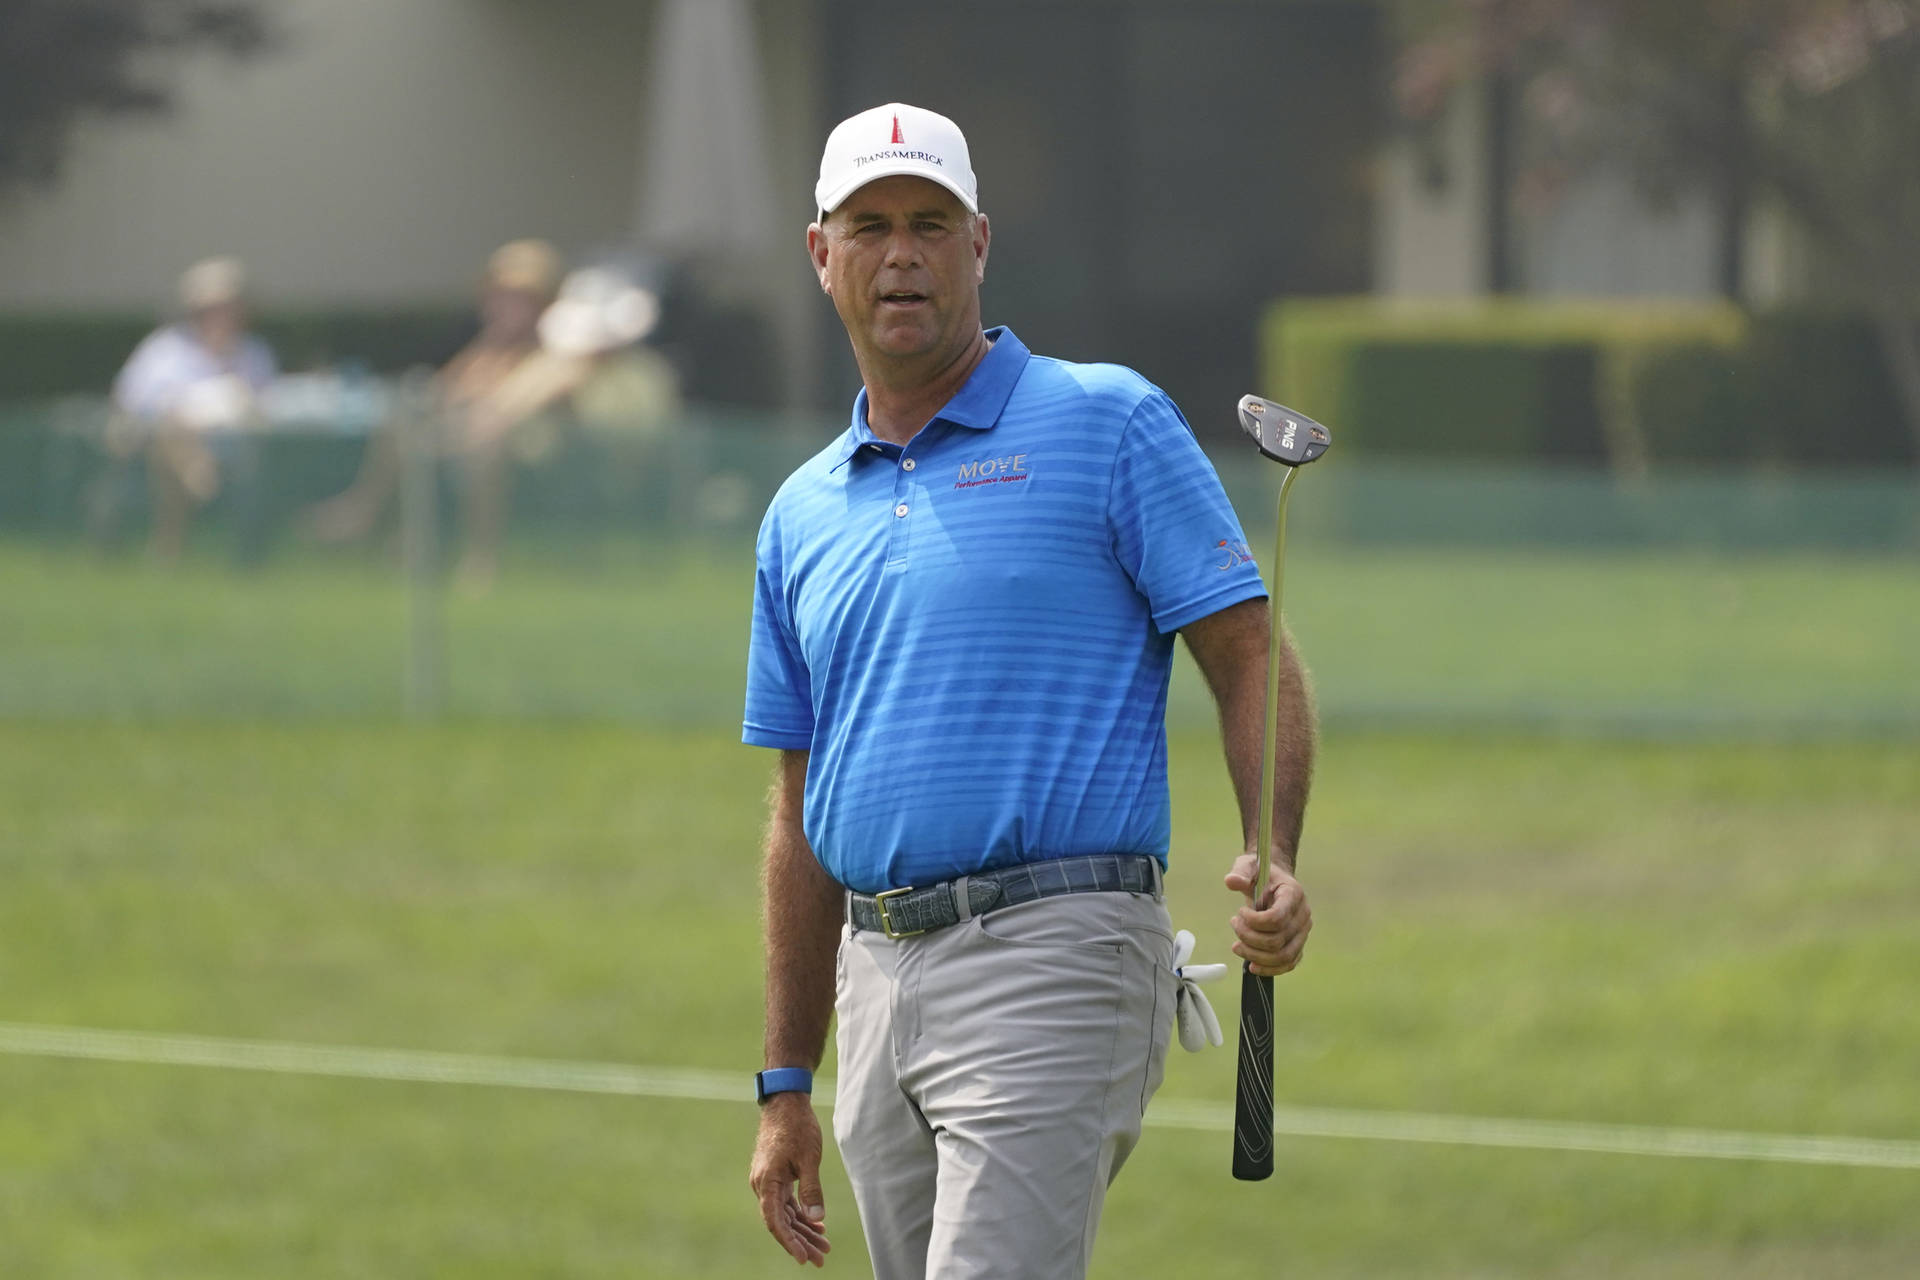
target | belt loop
x=962, y=900
x=1159, y=879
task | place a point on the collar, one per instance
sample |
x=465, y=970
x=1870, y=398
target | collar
x=976, y=405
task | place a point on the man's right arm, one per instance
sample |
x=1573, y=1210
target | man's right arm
x=802, y=912
x=146, y=384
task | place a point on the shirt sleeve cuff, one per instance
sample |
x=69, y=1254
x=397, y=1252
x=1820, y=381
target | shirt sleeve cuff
x=760, y=735
x=1171, y=619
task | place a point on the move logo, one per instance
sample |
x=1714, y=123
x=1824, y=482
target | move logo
x=1007, y=470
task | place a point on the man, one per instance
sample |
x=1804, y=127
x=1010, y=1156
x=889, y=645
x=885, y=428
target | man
x=470, y=420
x=551, y=353
x=186, y=392
x=963, y=633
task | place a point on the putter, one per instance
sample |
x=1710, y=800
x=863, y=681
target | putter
x=1292, y=440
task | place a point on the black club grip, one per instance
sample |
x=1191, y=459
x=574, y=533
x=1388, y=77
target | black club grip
x=1253, y=1095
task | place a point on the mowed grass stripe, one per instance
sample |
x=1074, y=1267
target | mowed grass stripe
x=26, y=1039
x=1650, y=643
x=366, y=1063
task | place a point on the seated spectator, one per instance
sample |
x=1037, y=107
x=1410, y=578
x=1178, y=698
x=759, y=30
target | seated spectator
x=590, y=373
x=546, y=359
x=474, y=410
x=591, y=358
x=185, y=393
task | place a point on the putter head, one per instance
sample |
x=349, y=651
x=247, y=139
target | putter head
x=1288, y=437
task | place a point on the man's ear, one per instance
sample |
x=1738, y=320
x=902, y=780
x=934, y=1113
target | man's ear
x=982, y=237
x=817, y=250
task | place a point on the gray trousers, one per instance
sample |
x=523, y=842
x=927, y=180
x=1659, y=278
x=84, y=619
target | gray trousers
x=992, y=1078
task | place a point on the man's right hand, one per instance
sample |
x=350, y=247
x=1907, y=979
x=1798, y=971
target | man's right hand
x=786, y=1177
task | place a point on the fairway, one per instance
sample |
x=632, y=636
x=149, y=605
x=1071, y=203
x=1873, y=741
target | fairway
x=1702, y=936
x=1646, y=643
x=424, y=457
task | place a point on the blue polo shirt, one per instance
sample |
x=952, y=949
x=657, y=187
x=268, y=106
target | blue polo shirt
x=973, y=634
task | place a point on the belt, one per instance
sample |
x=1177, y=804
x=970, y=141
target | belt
x=902, y=913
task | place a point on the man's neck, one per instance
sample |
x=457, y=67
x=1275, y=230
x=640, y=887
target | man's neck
x=221, y=346
x=899, y=406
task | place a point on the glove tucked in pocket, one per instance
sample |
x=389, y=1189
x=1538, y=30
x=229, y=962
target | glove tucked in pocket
x=1193, y=1014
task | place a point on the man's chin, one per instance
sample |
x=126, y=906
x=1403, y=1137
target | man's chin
x=904, y=341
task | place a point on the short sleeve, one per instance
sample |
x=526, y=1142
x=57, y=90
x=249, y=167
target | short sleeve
x=1174, y=531
x=779, y=709
x=147, y=384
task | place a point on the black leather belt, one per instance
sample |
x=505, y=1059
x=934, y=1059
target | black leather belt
x=902, y=913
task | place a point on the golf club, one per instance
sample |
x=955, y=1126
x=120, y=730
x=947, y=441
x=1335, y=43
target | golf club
x=1292, y=440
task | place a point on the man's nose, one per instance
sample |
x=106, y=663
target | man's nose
x=903, y=249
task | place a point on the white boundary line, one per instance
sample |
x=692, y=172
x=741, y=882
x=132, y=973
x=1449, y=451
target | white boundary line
x=27, y=1039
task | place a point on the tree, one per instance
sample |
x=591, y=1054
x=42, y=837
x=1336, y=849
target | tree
x=64, y=59
x=1813, y=105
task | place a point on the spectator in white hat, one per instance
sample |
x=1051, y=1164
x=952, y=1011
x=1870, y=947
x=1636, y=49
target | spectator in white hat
x=519, y=282
x=590, y=373
x=545, y=344
x=185, y=393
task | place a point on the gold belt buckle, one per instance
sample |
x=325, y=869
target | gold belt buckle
x=886, y=921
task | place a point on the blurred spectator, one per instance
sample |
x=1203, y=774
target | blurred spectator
x=617, y=389
x=499, y=402
x=467, y=402
x=186, y=393
x=590, y=373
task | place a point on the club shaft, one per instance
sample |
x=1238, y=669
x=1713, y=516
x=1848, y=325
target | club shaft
x=1263, y=837
x=1253, y=1092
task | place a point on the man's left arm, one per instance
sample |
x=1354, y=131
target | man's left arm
x=1230, y=647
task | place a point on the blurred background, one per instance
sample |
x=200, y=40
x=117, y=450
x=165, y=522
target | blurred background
x=389, y=395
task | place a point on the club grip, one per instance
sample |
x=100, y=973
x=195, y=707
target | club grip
x=1253, y=1096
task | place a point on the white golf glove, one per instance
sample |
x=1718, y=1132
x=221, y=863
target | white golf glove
x=1192, y=1012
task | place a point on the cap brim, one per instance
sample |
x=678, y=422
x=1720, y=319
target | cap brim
x=831, y=200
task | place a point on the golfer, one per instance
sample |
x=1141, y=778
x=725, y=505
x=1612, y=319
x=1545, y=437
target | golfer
x=964, y=620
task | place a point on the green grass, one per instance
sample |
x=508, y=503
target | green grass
x=1644, y=643
x=1680, y=934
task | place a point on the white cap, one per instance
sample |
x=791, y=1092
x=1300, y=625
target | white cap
x=884, y=141
x=598, y=310
x=212, y=282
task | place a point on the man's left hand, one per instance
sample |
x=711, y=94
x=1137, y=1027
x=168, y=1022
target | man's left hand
x=1269, y=935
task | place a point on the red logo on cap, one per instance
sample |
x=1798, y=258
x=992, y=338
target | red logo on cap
x=897, y=139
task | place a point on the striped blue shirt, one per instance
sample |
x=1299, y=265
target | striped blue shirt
x=973, y=634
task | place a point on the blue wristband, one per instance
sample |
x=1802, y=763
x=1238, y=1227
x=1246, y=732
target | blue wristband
x=781, y=1080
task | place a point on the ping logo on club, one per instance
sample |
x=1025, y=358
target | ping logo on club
x=1286, y=437
x=992, y=471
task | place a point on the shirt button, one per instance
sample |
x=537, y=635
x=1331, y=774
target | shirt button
x=900, y=510
x=908, y=464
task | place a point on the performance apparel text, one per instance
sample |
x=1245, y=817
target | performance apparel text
x=992, y=471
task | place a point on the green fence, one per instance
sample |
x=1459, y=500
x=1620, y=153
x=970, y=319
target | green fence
x=1470, y=596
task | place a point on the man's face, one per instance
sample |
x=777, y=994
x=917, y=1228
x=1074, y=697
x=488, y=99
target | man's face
x=510, y=316
x=220, y=324
x=903, y=261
